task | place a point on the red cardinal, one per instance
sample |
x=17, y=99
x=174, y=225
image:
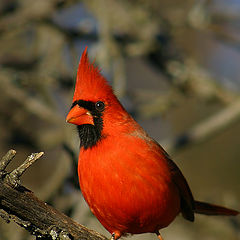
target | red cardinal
x=129, y=182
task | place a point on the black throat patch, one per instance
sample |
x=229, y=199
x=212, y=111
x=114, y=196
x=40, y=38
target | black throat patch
x=90, y=134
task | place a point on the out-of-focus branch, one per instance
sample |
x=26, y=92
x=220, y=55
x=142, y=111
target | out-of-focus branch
x=208, y=127
x=198, y=81
x=20, y=205
x=29, y=103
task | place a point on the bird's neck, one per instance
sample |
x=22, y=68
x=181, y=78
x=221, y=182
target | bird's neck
x=121, y=123
x=89, y=135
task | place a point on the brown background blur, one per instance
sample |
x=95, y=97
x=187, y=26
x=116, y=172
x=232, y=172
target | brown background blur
x=174, y=64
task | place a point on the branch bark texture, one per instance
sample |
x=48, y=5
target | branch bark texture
x=19, y=204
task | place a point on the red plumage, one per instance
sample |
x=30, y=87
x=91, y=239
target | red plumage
x=129, y=182
x=90, y=84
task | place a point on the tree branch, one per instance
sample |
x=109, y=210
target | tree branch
x=20, y=205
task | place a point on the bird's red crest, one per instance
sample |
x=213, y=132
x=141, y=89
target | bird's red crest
x=90, y=84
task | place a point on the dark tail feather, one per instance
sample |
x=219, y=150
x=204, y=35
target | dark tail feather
x=211, y=209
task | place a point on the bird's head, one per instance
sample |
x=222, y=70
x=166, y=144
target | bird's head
x=95, y=107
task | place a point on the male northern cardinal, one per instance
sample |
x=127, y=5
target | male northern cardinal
x=129, y=182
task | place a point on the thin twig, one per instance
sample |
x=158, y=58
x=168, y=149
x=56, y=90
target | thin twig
x=13, y=177
x=6, y=159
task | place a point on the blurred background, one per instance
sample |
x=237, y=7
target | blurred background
x=174, y=64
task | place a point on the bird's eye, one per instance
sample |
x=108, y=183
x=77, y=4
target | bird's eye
x=100, y=106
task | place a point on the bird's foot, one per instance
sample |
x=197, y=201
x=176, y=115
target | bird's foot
x=116, y=235
x=159, y=235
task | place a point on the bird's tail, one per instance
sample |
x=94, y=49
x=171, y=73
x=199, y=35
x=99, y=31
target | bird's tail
x=212, y=209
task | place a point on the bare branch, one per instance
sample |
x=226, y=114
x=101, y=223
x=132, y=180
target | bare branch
x=20, y=205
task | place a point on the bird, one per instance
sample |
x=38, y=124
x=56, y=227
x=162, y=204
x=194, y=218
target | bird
x=128, y=180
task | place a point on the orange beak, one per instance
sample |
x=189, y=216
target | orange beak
x=79, y=116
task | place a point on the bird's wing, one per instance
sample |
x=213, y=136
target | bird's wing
x=187, y=200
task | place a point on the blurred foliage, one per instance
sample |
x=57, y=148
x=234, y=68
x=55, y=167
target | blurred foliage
x=156, y=55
